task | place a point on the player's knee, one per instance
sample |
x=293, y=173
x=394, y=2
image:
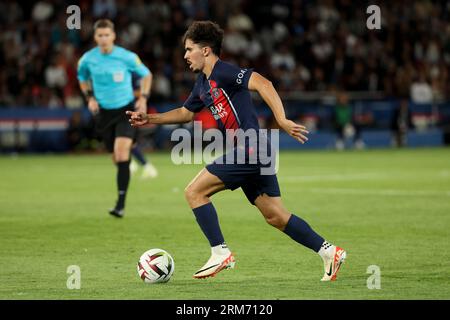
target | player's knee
x=276, y=216
x=194, y=197
x=190, y=194
x=275, y=221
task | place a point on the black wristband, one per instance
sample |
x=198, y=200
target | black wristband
x=88, y=94
x=145, y=95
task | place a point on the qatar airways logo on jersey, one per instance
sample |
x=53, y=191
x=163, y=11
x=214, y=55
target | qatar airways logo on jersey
x=218, y=111
x=217, y=108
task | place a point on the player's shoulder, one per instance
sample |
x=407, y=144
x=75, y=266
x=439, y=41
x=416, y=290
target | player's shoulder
x=231, y=66
x=228, y=68
x=231, y=72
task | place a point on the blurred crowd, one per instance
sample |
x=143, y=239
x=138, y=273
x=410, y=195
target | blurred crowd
x=302, y=46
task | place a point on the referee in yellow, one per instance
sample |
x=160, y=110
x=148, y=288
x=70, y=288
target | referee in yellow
x=104, y=73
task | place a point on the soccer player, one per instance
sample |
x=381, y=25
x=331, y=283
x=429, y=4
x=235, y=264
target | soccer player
x=104, y=73
x=224, y=89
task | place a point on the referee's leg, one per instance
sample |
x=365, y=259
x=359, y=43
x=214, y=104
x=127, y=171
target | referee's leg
x=121, y=157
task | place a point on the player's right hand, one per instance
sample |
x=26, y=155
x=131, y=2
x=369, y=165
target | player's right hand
x=137, y=118
x=93, y=106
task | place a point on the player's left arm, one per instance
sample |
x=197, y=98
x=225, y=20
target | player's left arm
x=270, y=96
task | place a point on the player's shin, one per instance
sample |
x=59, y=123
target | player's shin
x=208, y=221
x=300, y=231
x=221, y=258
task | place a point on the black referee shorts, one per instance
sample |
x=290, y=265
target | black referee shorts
x=114, y=123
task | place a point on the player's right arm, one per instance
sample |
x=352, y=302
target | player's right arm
x=178, y=115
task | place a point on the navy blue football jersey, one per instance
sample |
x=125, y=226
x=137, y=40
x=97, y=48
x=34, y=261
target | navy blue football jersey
x=225, y=93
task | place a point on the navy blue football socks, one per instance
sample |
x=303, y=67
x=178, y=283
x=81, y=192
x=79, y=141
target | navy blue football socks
x=137, y=153
x=208, y=221
x=123, y=179
x=301, y=232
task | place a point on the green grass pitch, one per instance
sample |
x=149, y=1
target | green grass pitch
x=389, y=208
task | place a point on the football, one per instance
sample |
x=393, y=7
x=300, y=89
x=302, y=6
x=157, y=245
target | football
x=155, y=266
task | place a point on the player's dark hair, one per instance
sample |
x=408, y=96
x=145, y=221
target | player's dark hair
x=103, y=23
x=205, y=34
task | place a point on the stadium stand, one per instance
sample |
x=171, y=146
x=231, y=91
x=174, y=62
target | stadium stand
x=311, y=50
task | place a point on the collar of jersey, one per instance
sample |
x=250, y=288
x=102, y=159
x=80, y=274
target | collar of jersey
x=212, y=71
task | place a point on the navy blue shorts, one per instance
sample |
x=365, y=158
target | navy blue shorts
x=248, y=177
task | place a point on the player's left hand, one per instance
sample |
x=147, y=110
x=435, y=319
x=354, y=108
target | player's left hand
x=297, y=131
x=141, y=105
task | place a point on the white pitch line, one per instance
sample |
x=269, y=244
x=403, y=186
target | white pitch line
x=384, y=192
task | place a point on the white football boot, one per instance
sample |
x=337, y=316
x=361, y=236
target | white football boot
x=333, y=258
x=221, y=258
x=149, y=171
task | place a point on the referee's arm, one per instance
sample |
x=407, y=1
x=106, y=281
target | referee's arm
x=86, y=89
x=135, y=65
x=84, y=76
x=270, y=96
x=145, y=85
